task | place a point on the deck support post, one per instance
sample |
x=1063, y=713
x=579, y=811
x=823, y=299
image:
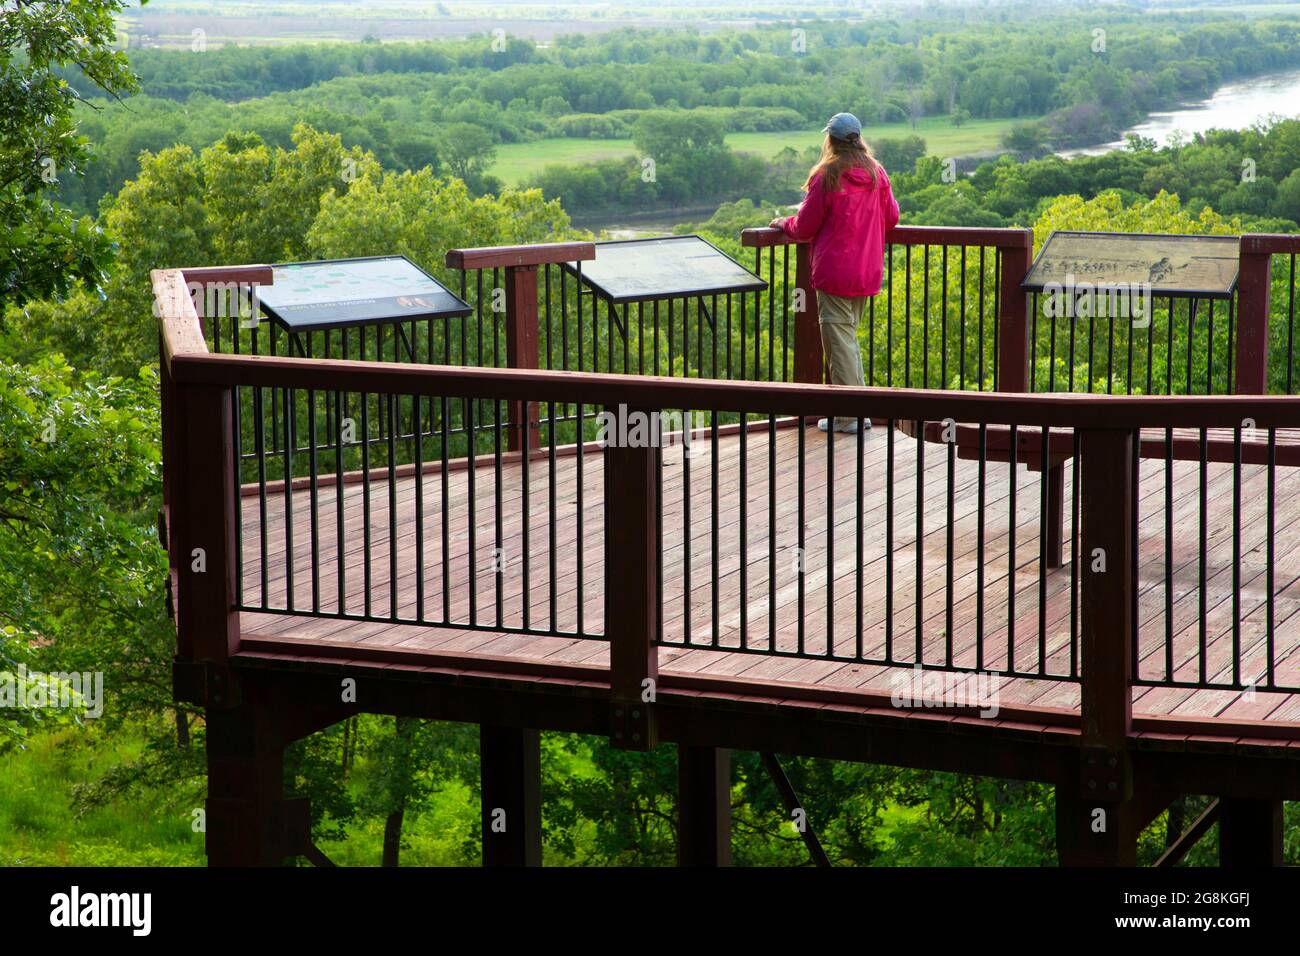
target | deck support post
x=1250, y=832
x=1094, y=832
x=1254, y=291
x=510, y=770
x=703, y=806
x=248, y=820
x=809, y=362
x=1097, y=819
x=1013, y=318
x=632, y=585
x=521, y=347
x=203, y=523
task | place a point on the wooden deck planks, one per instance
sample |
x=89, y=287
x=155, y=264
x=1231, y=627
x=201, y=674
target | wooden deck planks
x=688, y=489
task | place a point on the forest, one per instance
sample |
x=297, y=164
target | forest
x=451, y=105
x=167, y=158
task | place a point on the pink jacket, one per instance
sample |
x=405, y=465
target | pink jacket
x=847, y=231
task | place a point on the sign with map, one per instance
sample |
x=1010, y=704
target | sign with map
x=308, y=296
x=640, y=270
x=1202, y=267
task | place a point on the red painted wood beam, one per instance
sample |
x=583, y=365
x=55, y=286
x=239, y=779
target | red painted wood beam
x=1079, y=410
x=1254, y=292
x=764, y=236
x=510, y=771
x=809, y=361
x=521, y=348
x=703, y=806
x=492, y=257
x=631, y=502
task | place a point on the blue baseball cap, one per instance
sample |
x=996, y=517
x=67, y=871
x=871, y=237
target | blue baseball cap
x=843, y=126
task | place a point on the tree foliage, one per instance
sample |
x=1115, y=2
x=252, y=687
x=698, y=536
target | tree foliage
x=44, y=249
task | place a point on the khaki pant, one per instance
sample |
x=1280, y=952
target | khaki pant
x=840, y=316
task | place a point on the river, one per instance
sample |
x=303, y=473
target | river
x=1234, y=106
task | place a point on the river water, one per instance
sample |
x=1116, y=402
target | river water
x=1235, y=106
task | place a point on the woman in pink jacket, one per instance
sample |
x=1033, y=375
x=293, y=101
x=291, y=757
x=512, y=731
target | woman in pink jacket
x=847, y=210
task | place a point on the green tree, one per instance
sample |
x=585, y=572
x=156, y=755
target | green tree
x=235, y=202
x=1025, y=137
x=421, y=216
x=899, y=155
x=81, y=563
x=468, y=151
x=1287, y=203
x=689, y=156
x=44, y=249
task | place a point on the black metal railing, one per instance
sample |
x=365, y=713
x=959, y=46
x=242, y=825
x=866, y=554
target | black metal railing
x=434, y=526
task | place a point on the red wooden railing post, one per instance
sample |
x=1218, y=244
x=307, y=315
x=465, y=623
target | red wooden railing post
x=809, y=362
x=520, y=263
x=1106, y=584
x=1096, y=817
x=203, y=523
x=521, y=346
x=1254, y=300
x=200, y=486
x=632, y=599
x=1013, y=318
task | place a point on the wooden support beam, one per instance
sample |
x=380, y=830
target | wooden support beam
x=792, y=805
x=510, y=770
x=1190, y=837
x=632, y=588
x=1013, y=318
x=703, y=806
x=521, y=347
x=1091, y=832
x=247, y=820
x=1106, y=585
x=808, y=359
x=1097, y=821
x=1250, y=832
x=203, y=522
x=1254, y=291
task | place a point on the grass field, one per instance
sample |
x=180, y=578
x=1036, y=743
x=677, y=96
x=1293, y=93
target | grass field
x=518, y=162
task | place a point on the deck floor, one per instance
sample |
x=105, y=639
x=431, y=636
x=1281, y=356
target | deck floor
x=703, y=609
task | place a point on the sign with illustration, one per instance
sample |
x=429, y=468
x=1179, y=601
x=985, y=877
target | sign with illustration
x=309, y=296
x=641, y=270
x=1199, y=267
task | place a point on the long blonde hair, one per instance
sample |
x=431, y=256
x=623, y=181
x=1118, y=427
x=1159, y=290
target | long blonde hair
x=839, y=155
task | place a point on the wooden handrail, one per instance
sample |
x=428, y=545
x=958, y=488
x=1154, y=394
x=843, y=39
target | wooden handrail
x=1256, y=243
x=251, y=274
x=178, y=319
x=1054, y=409
x=763, y=236
x=492, y=257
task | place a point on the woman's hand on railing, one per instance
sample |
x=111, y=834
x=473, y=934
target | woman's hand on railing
x=762, y=236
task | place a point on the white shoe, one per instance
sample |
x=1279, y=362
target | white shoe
x=849, y=428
